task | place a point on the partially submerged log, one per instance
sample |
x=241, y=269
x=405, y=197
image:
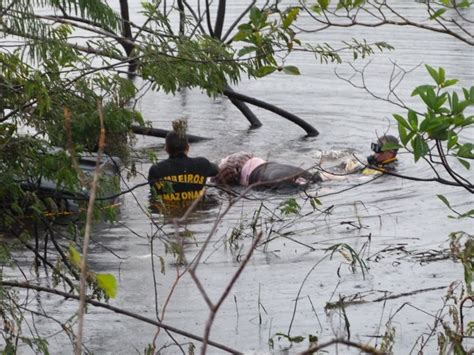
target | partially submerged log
x=310, y=130
x=251, y=117
x=161, y=133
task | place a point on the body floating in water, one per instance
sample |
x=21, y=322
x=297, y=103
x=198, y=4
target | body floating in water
x=244, y=169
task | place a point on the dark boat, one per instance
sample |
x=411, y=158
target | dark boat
x=72, y=202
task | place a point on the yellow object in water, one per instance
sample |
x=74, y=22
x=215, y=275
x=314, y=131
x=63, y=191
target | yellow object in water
x=369, y=171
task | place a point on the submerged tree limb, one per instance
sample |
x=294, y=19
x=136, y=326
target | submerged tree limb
x=161, y=133
x=220, y=19
x=66, y=295
x=341, y=303
x=245, y=110
x=363, y=347
x=310, y=130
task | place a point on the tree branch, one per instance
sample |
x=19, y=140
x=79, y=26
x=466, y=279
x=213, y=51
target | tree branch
x=245, y=110
x=117, y=310
x=220, y=19
x=363, y=347
x=310, y=130
x=87, y=232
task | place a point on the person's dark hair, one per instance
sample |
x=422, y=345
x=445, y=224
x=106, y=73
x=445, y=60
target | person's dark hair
x=388, y=139
x=177, y=140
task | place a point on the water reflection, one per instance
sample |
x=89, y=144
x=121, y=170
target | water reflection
x=168, y=212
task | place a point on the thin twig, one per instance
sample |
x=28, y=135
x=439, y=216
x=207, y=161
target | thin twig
x=66, y=295
x=363, y=347
x=87, y=232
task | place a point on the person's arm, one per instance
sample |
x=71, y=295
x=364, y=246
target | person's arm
x=325, y=176
x=213, y=169
x=156, y=173
x=152, y=175
x=205, y=167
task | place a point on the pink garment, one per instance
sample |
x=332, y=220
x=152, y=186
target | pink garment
x=247, y=169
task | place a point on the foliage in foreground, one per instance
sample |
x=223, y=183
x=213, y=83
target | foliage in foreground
x=56, y=87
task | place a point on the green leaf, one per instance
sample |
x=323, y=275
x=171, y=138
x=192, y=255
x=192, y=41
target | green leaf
x=265, y=70
x=465, y=151
x=246, y=50
x=421, y=89
x=241, y=35
x=449, y=82
x=290, y=207
x=323, y=4
x=460, y=121
x=402, y=121
x=441, y=76
x=315, y=202
x=316, y=8
x=291, y=17
x=465, y=163
x=440, y=131
x=430, y=98
x=291, y=69
x=108, y=284
x=433, y=73
x=437, y=14
x=74, y=256
x=245, y=27
x=469, y=213
x=402, y=132
x=420, y=147
x=255, y=15
x=343, y=4
x=433, y=125
x=413, y=119
x=445, y=200
x=452, y=140
x=454, y=102
x=439, y=102
x=461, y=106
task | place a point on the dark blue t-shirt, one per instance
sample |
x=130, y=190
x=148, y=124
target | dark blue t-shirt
x=180, y=178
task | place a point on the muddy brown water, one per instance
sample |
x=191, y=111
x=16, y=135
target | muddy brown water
x=390, y=221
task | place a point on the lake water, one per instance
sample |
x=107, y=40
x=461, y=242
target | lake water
x=390, y=221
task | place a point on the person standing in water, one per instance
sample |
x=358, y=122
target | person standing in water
x=384, y=157
x=179, y=178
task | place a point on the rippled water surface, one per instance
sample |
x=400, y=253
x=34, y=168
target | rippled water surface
x=290, y=277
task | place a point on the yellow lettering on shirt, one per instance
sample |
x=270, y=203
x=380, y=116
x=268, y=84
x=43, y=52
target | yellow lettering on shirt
x=182, y=196
x=186, y=178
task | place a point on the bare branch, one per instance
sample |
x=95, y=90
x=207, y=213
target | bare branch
x=87, y=232
x=117, y=310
